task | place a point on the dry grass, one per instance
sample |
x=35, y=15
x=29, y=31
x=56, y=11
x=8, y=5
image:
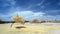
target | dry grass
x=30, y=29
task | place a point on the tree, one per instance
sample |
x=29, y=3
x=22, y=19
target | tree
x=42, y=21
x=17, y=19
x=35, y=20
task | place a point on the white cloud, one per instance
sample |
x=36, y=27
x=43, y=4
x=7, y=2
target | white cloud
x=39, y=4
x=30, y=6
x=34, y=5
x=39, y=14
x=9, y=3
x=12, y=2
x=5, y=17
x=29, y=15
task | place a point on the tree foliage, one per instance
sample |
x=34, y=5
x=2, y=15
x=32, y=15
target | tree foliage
x=18, y=18
x=35, y=20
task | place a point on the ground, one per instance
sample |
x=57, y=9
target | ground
x=31, y=28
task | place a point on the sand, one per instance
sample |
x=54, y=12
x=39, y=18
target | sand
x=44, y=28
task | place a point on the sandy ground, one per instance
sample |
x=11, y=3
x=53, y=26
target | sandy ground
x=44, y=28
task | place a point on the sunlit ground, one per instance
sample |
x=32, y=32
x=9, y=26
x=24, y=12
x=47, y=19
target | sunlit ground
x=46, y=28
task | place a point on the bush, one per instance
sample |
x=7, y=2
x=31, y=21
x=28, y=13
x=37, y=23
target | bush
x=35, y=20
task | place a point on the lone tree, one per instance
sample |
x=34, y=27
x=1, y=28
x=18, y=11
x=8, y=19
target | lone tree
x=17, y=19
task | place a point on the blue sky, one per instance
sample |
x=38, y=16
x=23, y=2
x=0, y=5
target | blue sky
x=40, y=9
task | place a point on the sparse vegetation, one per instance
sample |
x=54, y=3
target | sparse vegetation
x=58, y=21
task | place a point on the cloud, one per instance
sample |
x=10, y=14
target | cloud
x=36, y=4
x=5, y=17
x=26, y=11
x=53, y=12
x=59, y=3
x=39, y=4
x=7, y=3
x=29, y=15
x=11, y=2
